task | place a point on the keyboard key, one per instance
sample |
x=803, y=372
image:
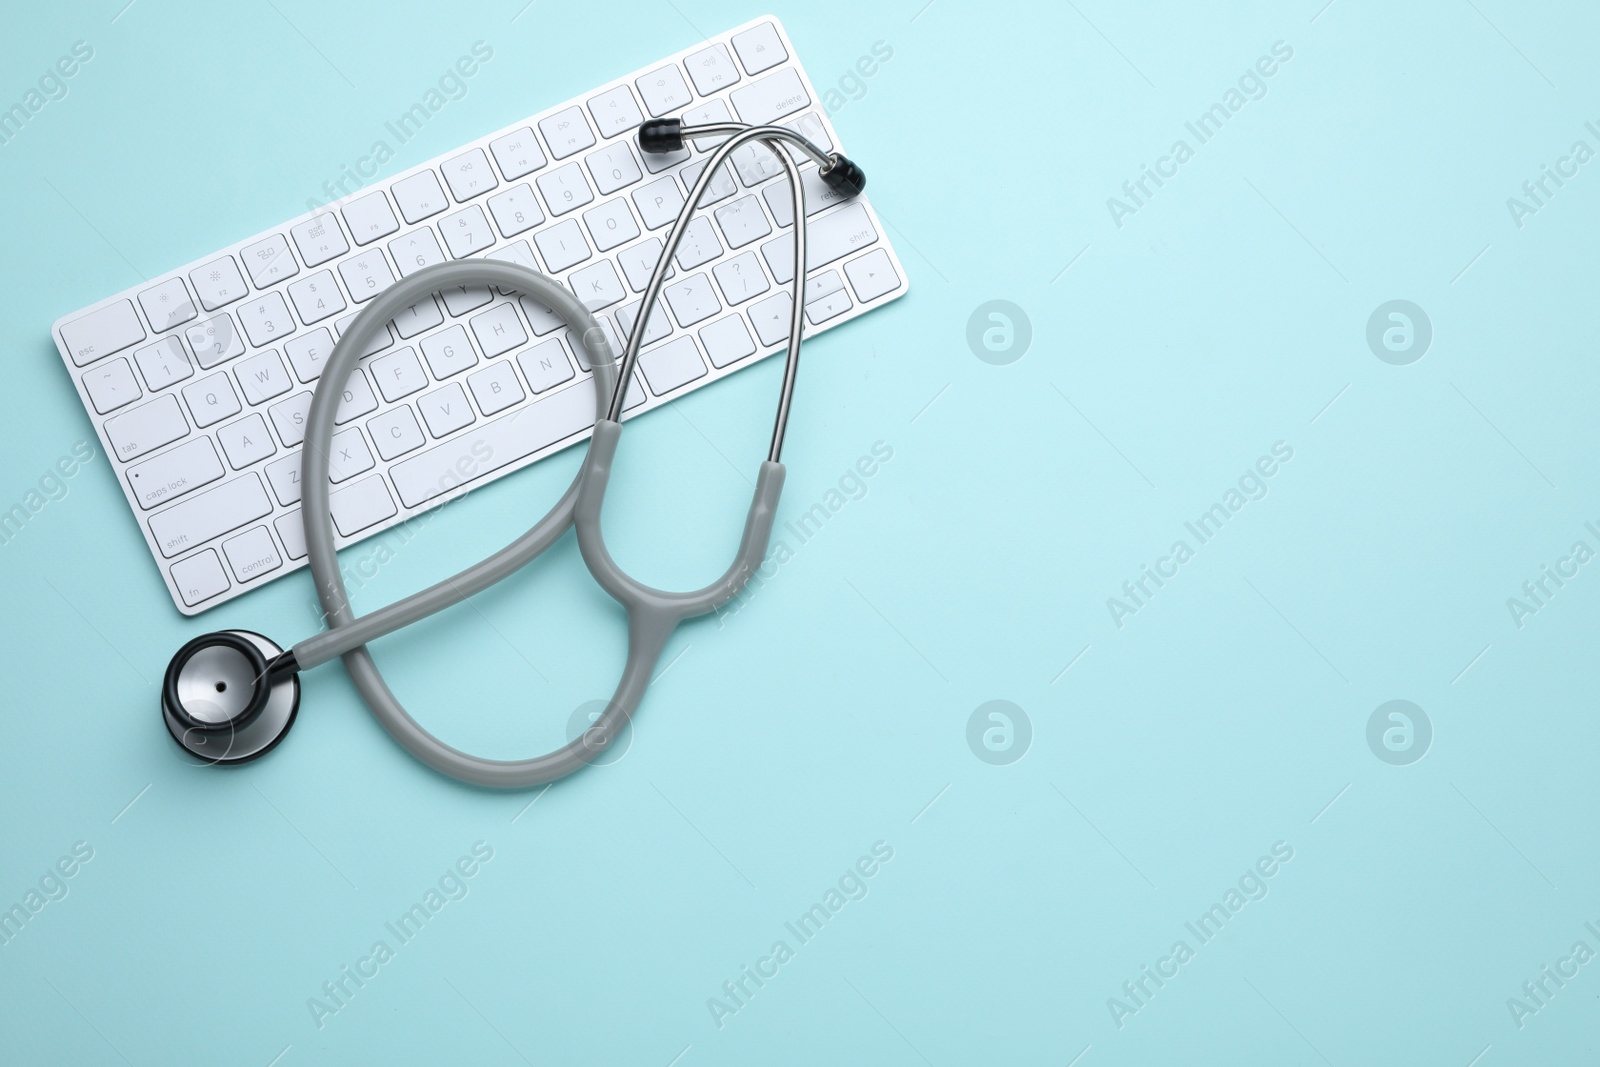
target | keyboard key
x=699, y=244
x=262, y=377
x=284, y=476
x=460, y=299
x=289, y=416
x=818, y=195
x=245, y=442
x=369, y=218
x=252, y=554
x=199, y=577
x=498, y=329
x=146, y=427
x=639, y=261
x=209, y=514
x=515, y=210
x=266, y=319
x=448, y=352
x=358, y=506
x=214, y=340
x=564, y=189
x=419, y=196
x=348, y=456
x=727, y=341
x=755, y=163
x=269, y=261
x=469, y=175
x=319, y=239
x=692, y=300
x=611, y=224
x=811, y=127
x=518, y=252
x=769, y=99
x=466, y=232
x=365, y=276
x=316, y=297
x=655, y=328
x=445, y=410
x=218, y=282
x=771, y=318
x=518, y=153
x=825, y=297
x=597, y=286
x=495, y=387
x=827, y=239
x=656, y=162
x=380, y=340
x=743, y=221
x=720, y=187
x=308, y=352
x=540, y=318
x=566, y=132
x=545, y=365
x=615, y=111
x=712, y=69
x=395, y=432
x=174, y=473
x=708, y=113
x=292, y=533
x=167, y=305
x=111, y=385
x=503, y=440
x=659, y=202
x=663, y=91
x=415, y=250
x=674, y=364
x=211, y=399
x=163, y=363
x=872, y=275
x=562, y=245
x=398, y=374
x=759, y=48
x=741, y=278
x=613, y=167
x=100, y=333
x=415, y=318
x=355, y=400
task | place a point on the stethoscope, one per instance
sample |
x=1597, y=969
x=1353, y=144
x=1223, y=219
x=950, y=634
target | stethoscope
x=231, y=696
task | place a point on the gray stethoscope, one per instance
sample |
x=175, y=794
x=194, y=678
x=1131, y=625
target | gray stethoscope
x=231, y=696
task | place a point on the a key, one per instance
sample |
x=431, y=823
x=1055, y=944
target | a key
x=718, y=189
x=771, y=318
x=743, y=221
x=348, y=455
x=518, y=153
x=712, y=69
x=265, y=319
x=269, y=261
x=727, y=341
x=872, y=275
x=319, y=239
x=175, y=472
x=674, y=364
x=448, y=352
x=252, y=554
x=307, y=352
x=460, y=299
x=163, y=363
x=111, y=385
x=639, y=260
x=146, y=427
x=316, y=297
x=564, y=189
x=817, y=192
x=540, y=318
x=708, y=113
x=214, y=340
x=755, y=163
x=419, y=196
x=365, y=276
x=445, y=410
x=292, y=533
x=289, y=416
x=741, y=278
x=692, y=300
x=545, y=365
x=759, y=48
x=769, y=99
x=613, y=167
x=395, y=432
x=825, y=297
x=211, y=399
x=498, y=330
x=262, y=377
x=469, y=175
x=355, y=399
x=210, y=514
x=167, y=305
x=415, y=318
x=663, y=90
x=466, y=231
x=246, y=441
x=415, y=250
x=369, y=218
x=699, y=244
x=611, y=224
x=284, y=476
x=515, y=210
x=827, y=239
x=518, y=252
x=659, y=202
x=217, y=283
x=615, y=111
x=597, y=286
x=199, y=577
x=360, y=505
x=495, y=387
x=100, y=333
x=380, y=340
x=655, y=328
x=566, y=132
x=562, y=245
x=398, y=374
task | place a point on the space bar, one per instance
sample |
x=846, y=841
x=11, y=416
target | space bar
x=493, y=444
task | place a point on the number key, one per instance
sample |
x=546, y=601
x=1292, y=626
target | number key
x=265, y=319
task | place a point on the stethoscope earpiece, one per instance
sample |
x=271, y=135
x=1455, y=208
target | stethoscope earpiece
x=229, y=696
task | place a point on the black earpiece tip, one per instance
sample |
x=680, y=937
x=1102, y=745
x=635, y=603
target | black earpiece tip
x=844, y=177
x=658, y=136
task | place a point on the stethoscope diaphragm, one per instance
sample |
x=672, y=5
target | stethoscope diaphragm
x=220, y=701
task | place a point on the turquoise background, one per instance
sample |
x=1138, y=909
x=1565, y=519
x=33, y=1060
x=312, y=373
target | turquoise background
x=1229, y=714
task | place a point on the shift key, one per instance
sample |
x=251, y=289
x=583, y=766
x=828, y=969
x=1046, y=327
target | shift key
x=210, y=514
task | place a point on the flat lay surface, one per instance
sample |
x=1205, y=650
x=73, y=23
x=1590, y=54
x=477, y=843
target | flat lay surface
x=1174, y=642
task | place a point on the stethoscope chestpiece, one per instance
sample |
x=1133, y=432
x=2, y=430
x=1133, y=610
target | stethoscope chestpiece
x=230, y=696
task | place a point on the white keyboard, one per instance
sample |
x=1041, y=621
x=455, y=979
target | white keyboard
x=198, y=382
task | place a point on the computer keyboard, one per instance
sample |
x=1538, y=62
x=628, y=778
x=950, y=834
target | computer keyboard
x=198, y=381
